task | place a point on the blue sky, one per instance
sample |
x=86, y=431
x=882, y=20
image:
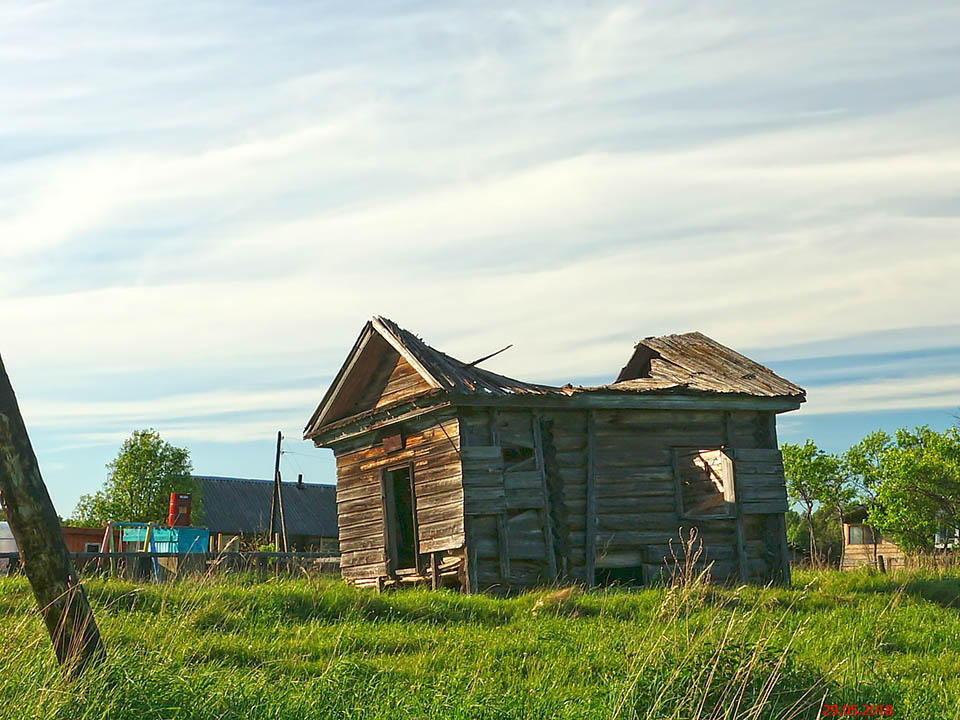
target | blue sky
x=201, y=203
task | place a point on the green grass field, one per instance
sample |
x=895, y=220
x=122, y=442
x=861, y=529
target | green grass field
x=235, y=648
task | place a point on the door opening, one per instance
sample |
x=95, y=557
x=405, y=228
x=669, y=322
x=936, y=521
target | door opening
x=401, y=518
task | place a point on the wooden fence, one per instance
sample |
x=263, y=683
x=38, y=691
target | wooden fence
x=167, y=566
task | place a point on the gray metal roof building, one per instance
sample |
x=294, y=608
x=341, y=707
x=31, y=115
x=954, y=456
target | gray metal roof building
x=242, y=506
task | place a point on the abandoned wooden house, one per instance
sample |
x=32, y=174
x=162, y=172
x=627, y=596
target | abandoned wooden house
x=454, y=475
x=864, y=545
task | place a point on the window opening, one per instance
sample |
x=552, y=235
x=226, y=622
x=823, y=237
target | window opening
x=705, y=482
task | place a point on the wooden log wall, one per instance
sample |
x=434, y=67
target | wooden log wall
x=511, y=499
x=637, y=513
x=432, y=444
x=610, y=488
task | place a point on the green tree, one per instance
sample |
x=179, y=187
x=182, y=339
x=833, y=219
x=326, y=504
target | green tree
x=825, y=529
x=919, y=489
x=836, y=494
x=142, y=476
x=813, y=477
x=864, y=463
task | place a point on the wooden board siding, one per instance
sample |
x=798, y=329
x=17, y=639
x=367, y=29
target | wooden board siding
x=403, y=383
x=380, y=377
x=507, y=502
x=860, y=555
x=432, y=445
x=636, y=501
x=636, y=515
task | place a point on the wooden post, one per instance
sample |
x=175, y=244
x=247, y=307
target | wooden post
x=590, y=521
x=36, y=528
x=784, y=551
x=547, y=505
x=731, y=472
x=503, y=548
x=781, y=520
x=276, y=503
x=434, y=570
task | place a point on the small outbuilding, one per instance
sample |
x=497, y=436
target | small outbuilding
x=864, y=545
x=238, y=510
x=450, y=474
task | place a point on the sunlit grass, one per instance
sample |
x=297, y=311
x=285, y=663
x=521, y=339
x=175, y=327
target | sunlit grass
x=315, y=648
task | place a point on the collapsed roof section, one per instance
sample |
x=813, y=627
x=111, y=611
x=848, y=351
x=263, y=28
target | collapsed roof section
x=389, y=366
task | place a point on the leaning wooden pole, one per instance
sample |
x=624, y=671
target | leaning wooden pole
x=36, y=527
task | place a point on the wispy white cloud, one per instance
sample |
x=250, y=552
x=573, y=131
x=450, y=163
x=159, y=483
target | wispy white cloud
x=190, y=187
x=937, y=391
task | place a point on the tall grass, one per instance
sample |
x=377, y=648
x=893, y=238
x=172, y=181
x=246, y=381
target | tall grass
x=232, y=647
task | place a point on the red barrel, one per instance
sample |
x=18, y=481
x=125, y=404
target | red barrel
x=180, y=508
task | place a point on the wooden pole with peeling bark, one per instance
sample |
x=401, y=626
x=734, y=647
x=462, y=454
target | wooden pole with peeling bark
x=36, y=527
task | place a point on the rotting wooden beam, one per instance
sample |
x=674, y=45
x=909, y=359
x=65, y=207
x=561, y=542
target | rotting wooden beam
x=503, y=547
x=738, y=504
x=590, y=519
x=36, y=528
x=781, y=520
x=626, y=400
x=548, y=539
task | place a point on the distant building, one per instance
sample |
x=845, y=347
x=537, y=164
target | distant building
x=240, y=508
x=864, y=545
x=86, y=539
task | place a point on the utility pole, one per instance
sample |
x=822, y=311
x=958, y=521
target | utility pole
x=276, y=503
x=36, y=528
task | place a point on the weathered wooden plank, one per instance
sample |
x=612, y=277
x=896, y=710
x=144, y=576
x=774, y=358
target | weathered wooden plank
x=362, y=557
x=442, y=542
x=772, y=481
x=488, y=506
x=526, y=499
x=769, y=507
x=619, y=558
x=756, y=494
x=430, y=531
x=503, y=547
x=360, y=517
x=363, y=542
x=652, y=490
x=784, y=551
x=590, y=512
x=373, y=527
x=439, y=513
x=482, y=454
x=729, y=472
x=363, y=571
x=527, y=480
x=759, y=455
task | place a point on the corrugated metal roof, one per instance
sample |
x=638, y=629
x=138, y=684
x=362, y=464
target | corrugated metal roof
x=242, y=505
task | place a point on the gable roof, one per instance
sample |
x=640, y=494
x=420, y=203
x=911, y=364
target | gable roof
x=691, y=363
x=440, y=372
x=242, y=505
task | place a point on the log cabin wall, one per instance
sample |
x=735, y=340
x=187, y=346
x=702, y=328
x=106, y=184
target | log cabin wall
x=605, y=479
x=431, y=443
x=509, y=510
x=635, y=496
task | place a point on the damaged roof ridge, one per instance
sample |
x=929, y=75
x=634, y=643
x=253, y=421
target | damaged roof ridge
x=691, y=360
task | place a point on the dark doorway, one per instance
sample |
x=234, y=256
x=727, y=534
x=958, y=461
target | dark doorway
x=401, y=518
